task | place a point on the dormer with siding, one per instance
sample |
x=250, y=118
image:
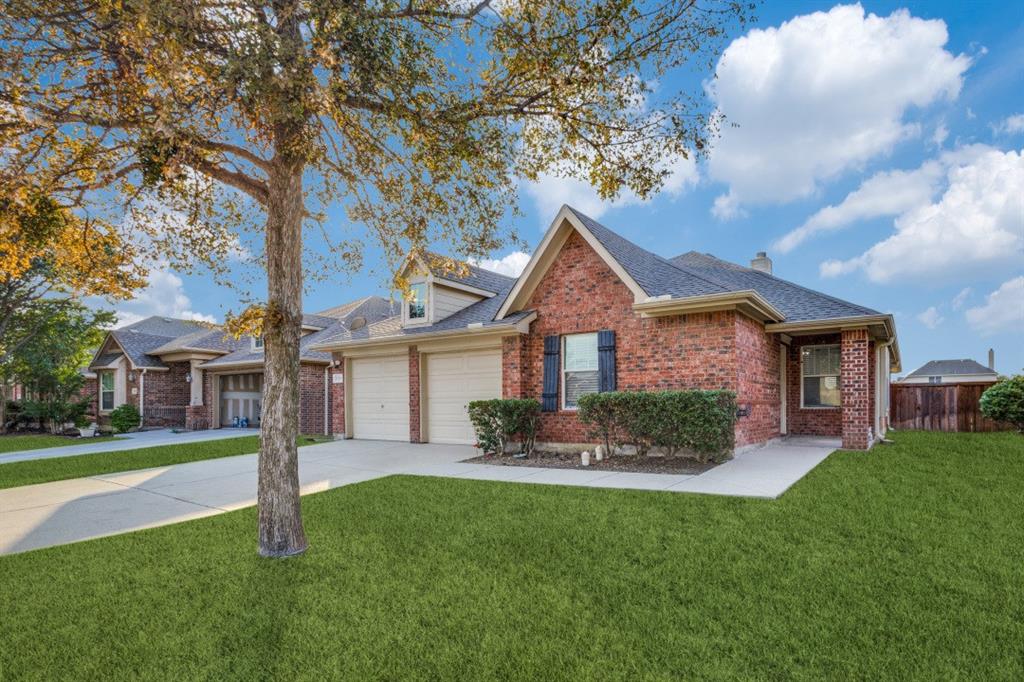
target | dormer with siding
x=436, y=293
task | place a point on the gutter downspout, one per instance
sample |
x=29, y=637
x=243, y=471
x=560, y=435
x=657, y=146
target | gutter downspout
x=327, y=395
x=883, y=394
x=142, y=399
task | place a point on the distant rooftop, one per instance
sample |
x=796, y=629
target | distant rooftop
x=951, y=367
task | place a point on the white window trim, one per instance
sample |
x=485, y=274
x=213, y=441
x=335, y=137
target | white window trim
x=428, y=308
x=257, y=346
x=562, y=370
x=113, y=390
x=839, y=378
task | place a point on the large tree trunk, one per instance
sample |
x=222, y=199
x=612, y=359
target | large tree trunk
x=280, y=516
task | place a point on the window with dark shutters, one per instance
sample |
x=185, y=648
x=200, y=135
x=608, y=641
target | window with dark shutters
x=549, y=398
x=606, y=360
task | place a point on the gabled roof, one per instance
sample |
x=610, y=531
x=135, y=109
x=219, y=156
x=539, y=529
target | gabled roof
x=481, y=315
x=136, y=345
x=471, y=276
x=169, y=327
x=951, y=367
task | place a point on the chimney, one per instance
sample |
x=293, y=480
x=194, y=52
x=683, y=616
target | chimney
x=762, y=262
x=992, y=359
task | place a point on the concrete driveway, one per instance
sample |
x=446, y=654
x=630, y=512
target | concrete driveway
x=79, y=509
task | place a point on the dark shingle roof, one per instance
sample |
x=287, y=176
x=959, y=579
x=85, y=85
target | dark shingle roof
x=168, y=327
x=946, y=367
x=333, y=321
x=475, y=276
x=136, y=345
x=655, y=275
x=797, y=303
x=106, y=359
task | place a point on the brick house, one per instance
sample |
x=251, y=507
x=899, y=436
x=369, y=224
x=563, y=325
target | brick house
x=186, y=374
x=592, y=311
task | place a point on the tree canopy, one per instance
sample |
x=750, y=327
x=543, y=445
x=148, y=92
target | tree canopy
x=418, y=116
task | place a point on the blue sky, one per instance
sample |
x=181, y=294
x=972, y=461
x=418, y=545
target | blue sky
x=877, y=157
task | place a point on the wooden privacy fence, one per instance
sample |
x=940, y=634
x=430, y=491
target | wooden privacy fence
x=940, y=407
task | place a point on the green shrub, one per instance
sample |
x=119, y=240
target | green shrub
x=499, y=421
x=698, y=421
x=124, y=418
x=1004, y=402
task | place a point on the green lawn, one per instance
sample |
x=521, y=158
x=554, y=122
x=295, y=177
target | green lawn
x=905, y=562
x=38, y=441
x=61, y=468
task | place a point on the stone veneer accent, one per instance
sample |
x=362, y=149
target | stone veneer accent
x=414, y=395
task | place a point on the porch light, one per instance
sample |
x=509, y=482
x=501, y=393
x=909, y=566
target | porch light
x=188, y=378
x=131, y=377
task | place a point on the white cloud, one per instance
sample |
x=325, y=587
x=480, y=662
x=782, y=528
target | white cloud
x=930, y=318
x=164, y=295
x=976, y=224
x=940, y=134
x=512, y=265
x=887, y=193
x=1003, y=310
x=823, y=93
x=1011, y=125
x=727, y=207
x=961, y=298
x=551, y=191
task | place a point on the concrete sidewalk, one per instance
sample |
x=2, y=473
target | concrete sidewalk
x=131, y=441
x=79, y=509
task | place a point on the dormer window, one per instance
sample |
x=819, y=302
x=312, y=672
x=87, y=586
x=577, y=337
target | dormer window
x=257, y=342
x=417, y=302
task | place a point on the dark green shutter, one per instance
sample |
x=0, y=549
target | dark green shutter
x=605, y=360
x=549, y=398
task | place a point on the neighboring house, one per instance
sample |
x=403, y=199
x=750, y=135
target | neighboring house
x=181, y=373
x=952, y=372
x=593, y=311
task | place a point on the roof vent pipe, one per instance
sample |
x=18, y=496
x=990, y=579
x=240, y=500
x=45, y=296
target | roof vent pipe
x=762, y=262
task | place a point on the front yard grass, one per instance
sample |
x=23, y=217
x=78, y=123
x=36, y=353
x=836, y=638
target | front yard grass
x=38, y=441
x=33, y=471
x=904, y=562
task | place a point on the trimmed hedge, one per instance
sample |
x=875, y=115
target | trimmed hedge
x=497, y=422
x=1004, y=402
x=124, y=418
x=698, y=421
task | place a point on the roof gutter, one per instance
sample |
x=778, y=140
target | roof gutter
x=520, y=327
x=837, y=324
x=746, y=300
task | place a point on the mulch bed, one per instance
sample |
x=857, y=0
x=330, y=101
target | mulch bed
x=636, y=463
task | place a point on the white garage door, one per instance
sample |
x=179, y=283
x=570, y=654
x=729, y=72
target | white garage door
x=379, y=392
x=453, y=380
x=241, y=397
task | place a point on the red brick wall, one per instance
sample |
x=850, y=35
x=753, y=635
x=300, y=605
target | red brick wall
x=414, y=395
x=90, y=391
x=758, y=382
x=580, y=293
x=513, y=371
x=814, y=421
x=166, y=395
x=200, y=417
x=856, y=370
x=311, y=399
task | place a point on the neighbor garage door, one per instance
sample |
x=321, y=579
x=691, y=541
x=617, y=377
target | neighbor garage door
x=241, y=395
x=379, y=395
x=453, y=380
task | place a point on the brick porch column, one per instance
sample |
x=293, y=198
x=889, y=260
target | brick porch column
x=414, y=395
x=855, y=370
x=338, y=397
x=513, y=364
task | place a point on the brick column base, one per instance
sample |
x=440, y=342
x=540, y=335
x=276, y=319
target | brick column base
x=197, y=418
x=338, y=398
x=855, y=375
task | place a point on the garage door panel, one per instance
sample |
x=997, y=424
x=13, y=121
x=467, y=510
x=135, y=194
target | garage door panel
x=453, y=381
x=380, y=397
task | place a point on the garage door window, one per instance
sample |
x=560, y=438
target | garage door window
x=579, y=368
